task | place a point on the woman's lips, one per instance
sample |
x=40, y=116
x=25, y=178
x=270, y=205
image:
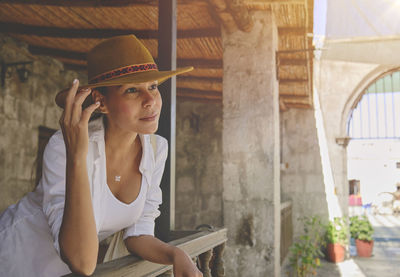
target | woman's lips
x=149, y=118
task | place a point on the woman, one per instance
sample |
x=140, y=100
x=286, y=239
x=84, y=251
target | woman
x=99, y=177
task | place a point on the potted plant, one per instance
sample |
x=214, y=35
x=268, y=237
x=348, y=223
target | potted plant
x=361, y=230
x=337, y=239
x=305, y=253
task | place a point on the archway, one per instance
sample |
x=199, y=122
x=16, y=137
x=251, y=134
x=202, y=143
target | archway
x=373, y=153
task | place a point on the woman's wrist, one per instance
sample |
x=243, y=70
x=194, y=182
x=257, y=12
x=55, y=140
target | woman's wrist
x=76, y=159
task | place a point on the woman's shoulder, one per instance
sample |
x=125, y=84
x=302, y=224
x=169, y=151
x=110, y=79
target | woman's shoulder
x=55, y=143
x=159, y=145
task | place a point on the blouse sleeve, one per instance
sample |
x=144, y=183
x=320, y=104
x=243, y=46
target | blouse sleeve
x=53, y=183
x=145, y=224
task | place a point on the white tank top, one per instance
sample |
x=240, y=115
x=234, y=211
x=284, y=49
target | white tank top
x=119, y=215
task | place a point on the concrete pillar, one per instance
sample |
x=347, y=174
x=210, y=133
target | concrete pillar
x=251, y=192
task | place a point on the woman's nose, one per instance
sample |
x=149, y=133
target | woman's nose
x=149, y=99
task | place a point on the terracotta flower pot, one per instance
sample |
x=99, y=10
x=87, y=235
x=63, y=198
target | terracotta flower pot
x=364, y=248
x=336, y=252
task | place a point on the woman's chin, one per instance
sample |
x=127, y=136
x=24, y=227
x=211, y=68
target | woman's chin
x=149, y=131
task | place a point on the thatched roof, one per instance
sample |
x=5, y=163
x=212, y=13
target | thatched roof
x=67, y=29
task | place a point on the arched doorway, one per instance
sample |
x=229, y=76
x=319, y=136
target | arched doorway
x=373, y=154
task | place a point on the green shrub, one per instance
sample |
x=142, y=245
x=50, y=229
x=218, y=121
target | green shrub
x=305, y=253
x=337, y=231
x=361, y=228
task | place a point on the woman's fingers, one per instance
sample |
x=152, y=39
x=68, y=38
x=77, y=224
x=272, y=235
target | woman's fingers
x=70, y=100
x=77, y=105
x=86, y=113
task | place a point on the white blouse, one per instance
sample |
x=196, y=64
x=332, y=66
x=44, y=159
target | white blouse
x=29, y=229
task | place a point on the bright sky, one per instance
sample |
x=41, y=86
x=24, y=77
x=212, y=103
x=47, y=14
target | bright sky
x=320, y=7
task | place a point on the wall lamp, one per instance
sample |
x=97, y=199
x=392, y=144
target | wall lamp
x=22, y=71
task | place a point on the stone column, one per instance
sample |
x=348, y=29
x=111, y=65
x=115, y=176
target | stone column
x=251, y=192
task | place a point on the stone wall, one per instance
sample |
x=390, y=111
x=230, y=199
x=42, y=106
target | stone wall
x=198, y=197
x=23, y=108
x=339, y=85
x=301, y=177
x=250, y=155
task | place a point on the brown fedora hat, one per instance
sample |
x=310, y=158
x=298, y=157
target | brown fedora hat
x=121, y=60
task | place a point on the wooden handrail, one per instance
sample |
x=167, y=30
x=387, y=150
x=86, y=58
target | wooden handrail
x=193, y=243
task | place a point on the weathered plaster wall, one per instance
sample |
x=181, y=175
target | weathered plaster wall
x=301, y=177
x=250, y=136
x=198, y=189
x=339, y=84
x=23, y=108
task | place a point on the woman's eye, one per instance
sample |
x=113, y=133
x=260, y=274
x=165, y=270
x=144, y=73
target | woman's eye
x=153, y=87
x=131, y=90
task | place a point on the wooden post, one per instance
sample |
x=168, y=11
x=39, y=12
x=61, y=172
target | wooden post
x=204, y=259
x=167, y=61
x=218, y=268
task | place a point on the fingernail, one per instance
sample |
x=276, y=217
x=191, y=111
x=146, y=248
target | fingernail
x=97, y=103
x=75, y=81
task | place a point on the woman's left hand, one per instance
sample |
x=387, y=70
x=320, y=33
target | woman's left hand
x=184, y=266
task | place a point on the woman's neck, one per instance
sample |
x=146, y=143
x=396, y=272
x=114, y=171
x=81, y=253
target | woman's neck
x=120, y=142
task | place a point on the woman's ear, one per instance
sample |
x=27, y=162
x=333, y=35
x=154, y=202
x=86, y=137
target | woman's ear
x=98, y=96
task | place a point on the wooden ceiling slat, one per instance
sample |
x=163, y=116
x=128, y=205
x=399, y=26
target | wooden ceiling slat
x=205, y=72
x=201, y=63
x=195, y=93
x=198, y=79
x=296, y=31
x=132, y=17
x=82, y=3
x=205, y=47
x=297, y=101
x=81, y=56
x=292, y=62
x=294, y=89
x=290, y=15
x=16, y=28
x=285, y=81
x=290, y=72
x=206, y=84
x=96, y=3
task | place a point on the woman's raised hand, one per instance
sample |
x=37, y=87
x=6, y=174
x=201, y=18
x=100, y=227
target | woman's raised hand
x=74, y=121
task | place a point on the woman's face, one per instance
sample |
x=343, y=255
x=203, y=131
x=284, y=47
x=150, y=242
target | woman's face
x=133, y=107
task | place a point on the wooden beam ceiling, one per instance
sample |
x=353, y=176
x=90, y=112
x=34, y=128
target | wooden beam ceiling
x=96, y=3
x=294, y=85
x=17, y=28
x=83, y=3
x=81, y=56
x=293, y=62
x=200, y=94
x=285, y=31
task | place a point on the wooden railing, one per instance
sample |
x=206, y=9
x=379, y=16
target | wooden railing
x=204, y=247
x=286, y=228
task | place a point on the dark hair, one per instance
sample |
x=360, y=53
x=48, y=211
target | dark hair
x=102, y=90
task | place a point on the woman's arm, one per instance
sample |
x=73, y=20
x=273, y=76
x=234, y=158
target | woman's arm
x=154, y=250
x=78, y=235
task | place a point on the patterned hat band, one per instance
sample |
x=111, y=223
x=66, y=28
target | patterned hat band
x=123, y=71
